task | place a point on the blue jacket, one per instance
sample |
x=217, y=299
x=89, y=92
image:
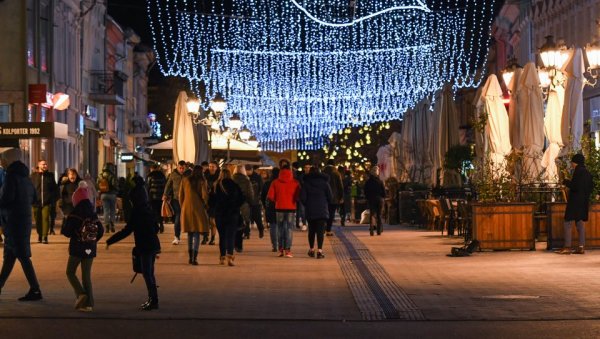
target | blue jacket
x=316, y=196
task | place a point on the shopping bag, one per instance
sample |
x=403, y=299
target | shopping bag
x=166, y=210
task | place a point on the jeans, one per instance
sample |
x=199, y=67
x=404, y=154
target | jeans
x=147, y=260
x=176, y=217
x=193, y=241
x=42, y=220
x=315, y=228
x=580, y=231
x=227, y=230
x=332, y=209
x=109, y=203
x=273, y=234
x=285, y=224
x=86, y=277
x=26, y=264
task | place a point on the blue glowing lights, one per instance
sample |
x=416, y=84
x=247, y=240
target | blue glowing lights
x=297, y=70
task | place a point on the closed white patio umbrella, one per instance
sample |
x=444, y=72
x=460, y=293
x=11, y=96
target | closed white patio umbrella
x=406, y=146
x=184, y=141
x=497, y=133
x=531, y=107
x=514, y=115
x=552, y=129
x=444, y=129
x=572, y=117
x=423, y=130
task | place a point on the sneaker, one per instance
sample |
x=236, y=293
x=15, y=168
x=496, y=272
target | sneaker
x=85, y=309
x=311, y=253
x=579, y=250
x=304, y=227
x=280, y=253
x=32, y=296
x=45, y=240
x=81, y=300
x=329, y=234
x=563, y=251
x=288, y=254
x=320, y=255
x=175, y=241
x=261, y=234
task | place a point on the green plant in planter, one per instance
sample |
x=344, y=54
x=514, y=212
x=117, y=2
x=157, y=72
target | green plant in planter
x=456, y=157
x=492, y=182
x=592, y=163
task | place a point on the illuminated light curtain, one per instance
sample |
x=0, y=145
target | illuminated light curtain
x=297, y=70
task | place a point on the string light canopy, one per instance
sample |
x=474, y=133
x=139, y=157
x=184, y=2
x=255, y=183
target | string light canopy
x=295, y=71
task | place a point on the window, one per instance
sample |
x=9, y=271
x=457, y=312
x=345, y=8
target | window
x=31, y=34
x=45, y=32
x=4, y=112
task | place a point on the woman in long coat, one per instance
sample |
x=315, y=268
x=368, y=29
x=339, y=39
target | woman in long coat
x=241, y=179
x=193, y=197
x=316, y=197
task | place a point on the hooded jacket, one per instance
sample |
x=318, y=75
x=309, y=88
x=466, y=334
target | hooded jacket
x=16, y=197
x=316, y=196
x=580, y=188
x=72, y=225
x=284, y=191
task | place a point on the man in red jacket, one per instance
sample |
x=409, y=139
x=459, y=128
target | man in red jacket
x=284, y=192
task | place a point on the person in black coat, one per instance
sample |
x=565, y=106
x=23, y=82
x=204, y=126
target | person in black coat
x=316, y=197
x=68, y=186
x=16, y=197
x=81, y=251
x=374, y=193
x=226, y=201
x=270, y=214
x=580, y=188
x=144, y=226
x=44, y=207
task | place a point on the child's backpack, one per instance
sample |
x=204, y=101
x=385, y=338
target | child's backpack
x=88, y=232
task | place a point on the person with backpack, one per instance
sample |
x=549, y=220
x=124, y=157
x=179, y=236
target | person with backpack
x=108, y=188
x=144, y=226
x=84, y=230
x=16, y=197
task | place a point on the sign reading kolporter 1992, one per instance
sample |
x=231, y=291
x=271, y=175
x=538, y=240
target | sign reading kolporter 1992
x=26, y=130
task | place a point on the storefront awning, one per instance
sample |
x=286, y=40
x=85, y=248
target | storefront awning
x=27, y=130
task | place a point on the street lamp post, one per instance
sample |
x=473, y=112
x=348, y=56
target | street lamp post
x=212, y=119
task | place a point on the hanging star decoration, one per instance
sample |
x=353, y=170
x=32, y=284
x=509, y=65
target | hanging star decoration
x=295, y=71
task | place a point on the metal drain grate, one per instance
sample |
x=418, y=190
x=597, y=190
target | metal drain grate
x=376, y=294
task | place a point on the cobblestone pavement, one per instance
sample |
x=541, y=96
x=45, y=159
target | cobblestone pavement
x=496, y=294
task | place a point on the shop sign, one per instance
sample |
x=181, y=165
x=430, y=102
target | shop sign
x=37, y=93
x=126, y=157
x=26, y=130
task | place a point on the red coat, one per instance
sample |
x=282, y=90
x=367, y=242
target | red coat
x=284, y=191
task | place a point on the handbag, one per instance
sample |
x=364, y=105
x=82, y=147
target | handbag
x=166, y=211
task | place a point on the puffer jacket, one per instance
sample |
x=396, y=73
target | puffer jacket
x=284, y=191
x=316, y=196
x=156, y=185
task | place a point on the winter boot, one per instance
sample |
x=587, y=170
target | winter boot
x=190, y=254
x=195, y=260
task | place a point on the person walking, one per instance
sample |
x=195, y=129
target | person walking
x=156, y=186
x=316, y=196
x=144, y=226
x=69, y=186
x=84, y=230
x=171, y=194
x=580, y=188
x=270, y=214
x=241, y=179
x=374, y=193
x=226, y=201
x=284, y=192
x=47, y=193
x=211, y=175
x=16, y=197
x=193, y=197
x=108, y=187
x=256, y=207
x=337, y=192
x=345, y=206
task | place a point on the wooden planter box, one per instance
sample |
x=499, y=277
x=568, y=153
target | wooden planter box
x=556, y=230
x=504, y=226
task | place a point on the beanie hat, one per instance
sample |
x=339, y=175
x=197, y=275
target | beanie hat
x=578, y=158
x=80, y=194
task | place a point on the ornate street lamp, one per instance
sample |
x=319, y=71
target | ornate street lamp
x=592, y=52
x=218, y=103
x=553, y=55
x=509, y=71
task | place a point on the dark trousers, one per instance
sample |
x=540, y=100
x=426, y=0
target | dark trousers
x=26, y=264
x=256, y=216
x=342, y=212
x=157, y=207
x=227, y=232
x=375, y=210
x=176, y=217
x=332, y=209
x=315, y=228
x=148, y=273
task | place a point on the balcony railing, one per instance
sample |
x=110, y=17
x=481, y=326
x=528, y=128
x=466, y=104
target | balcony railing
x=107, y=87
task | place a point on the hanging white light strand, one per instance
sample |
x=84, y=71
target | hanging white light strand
x=297, y=70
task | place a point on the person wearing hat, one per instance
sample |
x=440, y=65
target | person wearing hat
x=580, y=188
x=375, y=193
x=81, y=252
